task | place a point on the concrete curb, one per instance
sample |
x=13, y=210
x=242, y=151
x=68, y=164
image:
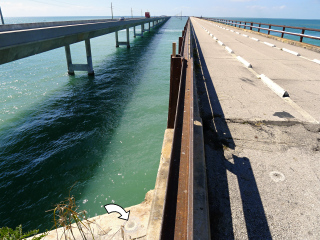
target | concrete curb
x=316, y=61
x=229, y=49
x=290, y=51
x=244, y=62
x=269, y=44
x=273, y=86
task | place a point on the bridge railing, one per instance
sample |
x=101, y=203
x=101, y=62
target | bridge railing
x=24, y=26
x=268, y=27
x=178, y=207
x=185, y=210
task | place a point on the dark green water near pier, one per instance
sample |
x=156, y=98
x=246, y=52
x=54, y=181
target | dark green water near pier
x=103, y=133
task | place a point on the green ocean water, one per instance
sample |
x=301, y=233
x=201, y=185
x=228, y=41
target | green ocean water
x=103, y=133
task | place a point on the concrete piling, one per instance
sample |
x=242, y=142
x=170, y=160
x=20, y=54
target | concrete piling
x=89, y=57
x=127, y=42
x=80, y=67
x=1, y=16
x=117, y=39
x=69, y=60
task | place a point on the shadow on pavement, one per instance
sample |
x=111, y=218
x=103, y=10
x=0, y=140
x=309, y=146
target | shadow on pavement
x=218, y=139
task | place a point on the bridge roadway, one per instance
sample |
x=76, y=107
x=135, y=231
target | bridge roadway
x=22, y=40
x=262, y=150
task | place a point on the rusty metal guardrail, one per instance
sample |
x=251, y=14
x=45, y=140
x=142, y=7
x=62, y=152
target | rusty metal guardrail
x=178, y=208
x=259, y=26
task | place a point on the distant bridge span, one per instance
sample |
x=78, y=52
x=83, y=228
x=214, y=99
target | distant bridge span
x=22, y=40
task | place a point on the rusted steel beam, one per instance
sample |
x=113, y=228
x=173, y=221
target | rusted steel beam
x=178, y=208
x=169, y=214
x=175, y=74
x=184, y=210
x=180, y=44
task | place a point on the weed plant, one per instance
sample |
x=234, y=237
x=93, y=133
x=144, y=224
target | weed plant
x=67, y=216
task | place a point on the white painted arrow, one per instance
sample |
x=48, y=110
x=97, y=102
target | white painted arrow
x=110, y=208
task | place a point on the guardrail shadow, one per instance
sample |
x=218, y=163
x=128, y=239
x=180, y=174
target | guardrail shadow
x=218, y=139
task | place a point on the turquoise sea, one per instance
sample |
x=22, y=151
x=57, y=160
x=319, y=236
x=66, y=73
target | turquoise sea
x=307, y=23
x=103, y=133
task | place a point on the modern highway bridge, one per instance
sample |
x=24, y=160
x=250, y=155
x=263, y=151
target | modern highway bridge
x=22, y=40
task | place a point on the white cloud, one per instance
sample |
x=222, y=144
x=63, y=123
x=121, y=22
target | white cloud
x=279, y=7
x=257, y=7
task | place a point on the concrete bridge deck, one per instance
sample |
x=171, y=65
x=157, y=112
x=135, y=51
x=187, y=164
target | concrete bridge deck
x=261, y=149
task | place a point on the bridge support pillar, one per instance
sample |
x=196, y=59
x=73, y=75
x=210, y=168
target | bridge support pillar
x=69, y=60
x=138, y=34
x=127, y=43
x=1, y=16
x=80, y=67
x=117, y=39
x=149, y=27
x=89, y=57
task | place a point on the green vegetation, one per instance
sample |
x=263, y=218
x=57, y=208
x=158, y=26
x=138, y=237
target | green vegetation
x=10, y=234
x=67, y=216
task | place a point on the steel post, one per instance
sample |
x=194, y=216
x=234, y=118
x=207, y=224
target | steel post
x=134, y=31
x=301, y=37
x=282, y=34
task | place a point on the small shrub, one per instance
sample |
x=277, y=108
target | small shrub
x=17, y=234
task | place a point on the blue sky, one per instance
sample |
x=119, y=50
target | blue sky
x=305, y=9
